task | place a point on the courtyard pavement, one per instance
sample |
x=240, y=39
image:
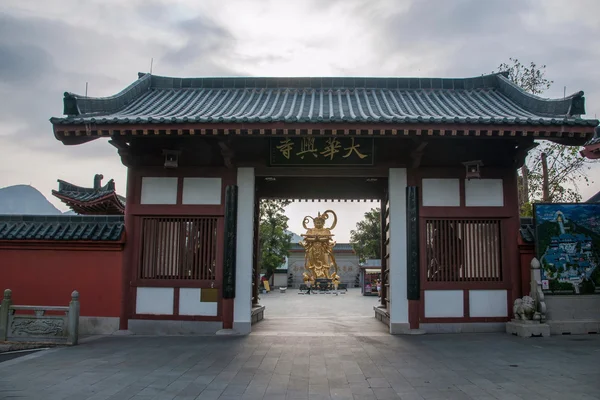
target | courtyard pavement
x=329, y=359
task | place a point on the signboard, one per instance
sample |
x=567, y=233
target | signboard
x=567, y=242
x=321, y=151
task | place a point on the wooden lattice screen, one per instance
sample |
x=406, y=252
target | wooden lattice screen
x=178, y=248
x=460, y=250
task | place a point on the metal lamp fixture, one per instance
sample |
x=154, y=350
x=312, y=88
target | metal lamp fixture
x=473, y=169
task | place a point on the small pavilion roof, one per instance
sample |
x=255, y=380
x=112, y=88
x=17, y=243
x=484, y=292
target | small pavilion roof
x=490, y=99
x=98, y=200
x=592, y=148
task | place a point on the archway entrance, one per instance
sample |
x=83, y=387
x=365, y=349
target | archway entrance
x=337, y=303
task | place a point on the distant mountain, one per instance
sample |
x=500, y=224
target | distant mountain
x=25, y=199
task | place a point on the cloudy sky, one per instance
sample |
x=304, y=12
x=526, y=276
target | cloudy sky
x=49, y=47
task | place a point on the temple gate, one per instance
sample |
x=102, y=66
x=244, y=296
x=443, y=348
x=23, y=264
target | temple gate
x=439, y=154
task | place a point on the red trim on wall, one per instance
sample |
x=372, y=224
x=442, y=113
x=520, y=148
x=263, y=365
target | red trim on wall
x=227, y=313
x=466, y=309
x=463, y=320
x=413, y=313
x=176, y=301
x=177, y=317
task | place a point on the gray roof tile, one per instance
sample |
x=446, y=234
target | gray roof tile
x=490, y=99
x=61, y=227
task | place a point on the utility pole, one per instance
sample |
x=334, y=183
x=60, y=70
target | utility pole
x=545, y=189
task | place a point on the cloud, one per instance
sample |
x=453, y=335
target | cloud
x=47, y=48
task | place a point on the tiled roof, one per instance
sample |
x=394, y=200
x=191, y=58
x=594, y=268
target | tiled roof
x=61, y=227
x=338, y=247
x=490, y=99
x=527, y=230
x=596, y=138
x=594, y=199
x=96, y=200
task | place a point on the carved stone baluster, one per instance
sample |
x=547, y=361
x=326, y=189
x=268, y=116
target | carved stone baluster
x=4, y=313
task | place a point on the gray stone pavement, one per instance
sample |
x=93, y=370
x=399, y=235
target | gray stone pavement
x=330, y=358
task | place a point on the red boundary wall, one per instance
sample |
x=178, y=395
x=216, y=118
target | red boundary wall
x=45, y=273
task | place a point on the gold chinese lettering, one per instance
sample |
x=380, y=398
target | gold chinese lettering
x=332, y=146
x=354, y=148
x=307, y=146
x=286, y=146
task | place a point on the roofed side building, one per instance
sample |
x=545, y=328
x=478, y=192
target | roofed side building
x=98, y=200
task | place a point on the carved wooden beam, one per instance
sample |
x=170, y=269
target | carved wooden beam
x=227, y=152
x=417, y=154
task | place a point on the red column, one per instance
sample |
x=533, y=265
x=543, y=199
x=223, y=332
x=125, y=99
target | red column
x=128, y=252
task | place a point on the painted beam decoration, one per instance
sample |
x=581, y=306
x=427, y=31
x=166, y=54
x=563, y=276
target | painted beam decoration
x=567, y=243
x=307, y=151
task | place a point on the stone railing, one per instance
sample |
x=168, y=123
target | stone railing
x=18, y=326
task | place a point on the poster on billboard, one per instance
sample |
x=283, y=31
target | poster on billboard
x=568, y=246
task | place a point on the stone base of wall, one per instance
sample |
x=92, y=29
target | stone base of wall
x=573, y=314
x=98, y=325
x=158, y=327
x=382, y=315
x=466, y=327
x=580, y=327
x=258, y=314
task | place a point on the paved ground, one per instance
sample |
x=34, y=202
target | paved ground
x=319, y=314
x=330, y=362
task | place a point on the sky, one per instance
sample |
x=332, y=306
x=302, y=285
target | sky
x=50, y=47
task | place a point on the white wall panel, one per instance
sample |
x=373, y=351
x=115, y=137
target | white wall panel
x=444, y=304
x=441, y=192
x=488, y=303
x=201, y=191
x=242, y=307
x=154, y=300
x=190, y=304
x=484, y=193
x=397, y=262
x=159, y=190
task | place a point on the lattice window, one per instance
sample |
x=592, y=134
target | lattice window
x=463, y=250
x=178, y=248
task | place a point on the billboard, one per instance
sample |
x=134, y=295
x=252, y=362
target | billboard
x=567, y=243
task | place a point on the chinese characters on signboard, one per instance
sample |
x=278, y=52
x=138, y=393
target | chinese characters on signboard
x=322, y=151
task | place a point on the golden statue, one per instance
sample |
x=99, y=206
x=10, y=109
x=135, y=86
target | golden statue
x=318, y=244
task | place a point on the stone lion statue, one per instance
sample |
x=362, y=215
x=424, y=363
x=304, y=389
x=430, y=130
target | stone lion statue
x=524, y=308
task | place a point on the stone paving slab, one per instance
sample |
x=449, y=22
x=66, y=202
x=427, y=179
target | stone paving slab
x=466, y=366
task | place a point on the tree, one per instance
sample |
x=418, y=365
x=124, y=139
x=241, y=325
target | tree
x=366, y=239
x=566, y=168
x=274, y=241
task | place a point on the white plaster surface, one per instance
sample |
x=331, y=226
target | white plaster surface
x=154, y=300
x=190, y=304
x=444, y=303
x=441, y=193
x=98, y=325
x=245, y=235
x=397, y=198
x=201, y=191
x=484, y=193
x=488, y=303
x=159, y=190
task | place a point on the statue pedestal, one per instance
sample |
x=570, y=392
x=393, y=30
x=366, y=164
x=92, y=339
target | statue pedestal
x=526, y=328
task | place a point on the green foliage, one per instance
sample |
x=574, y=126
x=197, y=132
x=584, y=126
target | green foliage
x=366, y=239
x=531, y=78
x=587, y=287
x=567, y=169
x=274, y=241
x=595, y=277
x=558, y=286
x=527, y=209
